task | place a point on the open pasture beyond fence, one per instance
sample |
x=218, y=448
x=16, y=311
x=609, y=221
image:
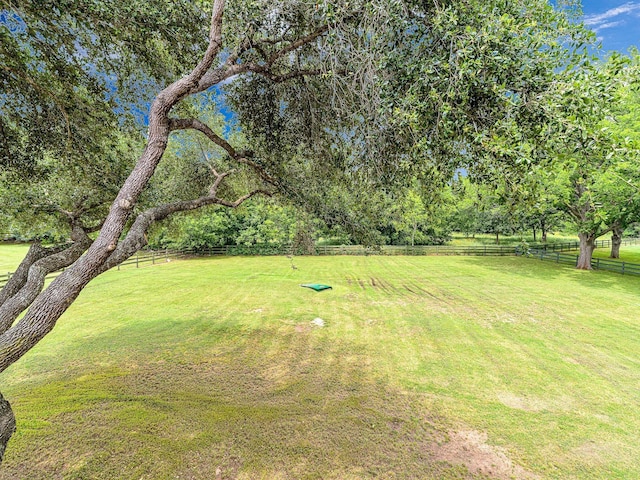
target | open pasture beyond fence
x=422, y=367
x=550, y=252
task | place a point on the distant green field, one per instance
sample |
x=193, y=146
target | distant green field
x=459, y=239
x=628, y=253
x=427, y=367
x=11, y=255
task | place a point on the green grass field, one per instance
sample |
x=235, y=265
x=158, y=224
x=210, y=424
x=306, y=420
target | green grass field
x=11, y=255
x=428, y=367
x=628, y=253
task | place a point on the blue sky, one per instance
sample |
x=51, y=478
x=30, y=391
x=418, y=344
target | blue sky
x=616, y=22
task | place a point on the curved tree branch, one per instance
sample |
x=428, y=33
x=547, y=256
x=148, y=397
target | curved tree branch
x=50, y=304
x=240, y=157
x=19, y=277
x=13, y=306
x=136, y=237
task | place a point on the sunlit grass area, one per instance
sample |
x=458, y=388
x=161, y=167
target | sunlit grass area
x=427, y=367
x=628, y=253
x=11, y=255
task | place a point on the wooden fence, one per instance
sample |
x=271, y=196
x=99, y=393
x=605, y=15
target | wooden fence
x=570, y=246
x=625, y=268
x=548, y=252
x=139, y=258
x=479, y=250
x=476, y=250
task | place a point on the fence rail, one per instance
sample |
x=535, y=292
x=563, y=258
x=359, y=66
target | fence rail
x=625, y=268
x=570, y=246
x=139, y=258
x=479, y=250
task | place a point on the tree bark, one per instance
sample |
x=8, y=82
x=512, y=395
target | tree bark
x=11, y=308
x=19, y=277
x=616, y=240
x=587, y=246
x=543, y=229
x=534, y=233
x=497, y=238
x=7, y=425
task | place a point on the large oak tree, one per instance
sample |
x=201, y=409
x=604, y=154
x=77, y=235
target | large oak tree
x=336, y=100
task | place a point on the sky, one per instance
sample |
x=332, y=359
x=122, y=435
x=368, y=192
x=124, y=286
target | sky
x=616, y=22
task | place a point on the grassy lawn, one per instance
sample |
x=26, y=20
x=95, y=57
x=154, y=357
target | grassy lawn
x=428, y=367
x=628, y=253
x=11, y=255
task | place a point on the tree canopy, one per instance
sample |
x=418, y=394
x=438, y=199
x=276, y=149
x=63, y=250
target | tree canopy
x=336, y=106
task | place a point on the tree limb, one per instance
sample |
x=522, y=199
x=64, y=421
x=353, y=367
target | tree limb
x=13, y=306
x=136, y=238
x=19, y=277
x=230, y=68
x=298, y=43
x=240, y=157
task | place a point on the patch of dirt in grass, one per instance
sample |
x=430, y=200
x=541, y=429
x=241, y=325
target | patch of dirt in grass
x=470, y=449
x=302, y=328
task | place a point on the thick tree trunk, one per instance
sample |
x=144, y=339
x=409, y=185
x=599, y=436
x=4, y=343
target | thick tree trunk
x=616, y=241
x=7, y=425
x=587, y=246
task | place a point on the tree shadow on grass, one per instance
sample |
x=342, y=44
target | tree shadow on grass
x=269, y=403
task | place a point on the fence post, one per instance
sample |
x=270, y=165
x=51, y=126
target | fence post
x=597, y=264
x=623, y=268
x=137, y=258
x=153, y=257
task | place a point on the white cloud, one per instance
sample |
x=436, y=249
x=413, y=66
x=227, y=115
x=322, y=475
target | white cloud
x=602, y=26
x=599, y=21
